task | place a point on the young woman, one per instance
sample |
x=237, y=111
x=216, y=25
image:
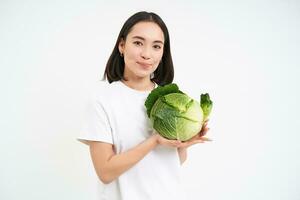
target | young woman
x=132, y=160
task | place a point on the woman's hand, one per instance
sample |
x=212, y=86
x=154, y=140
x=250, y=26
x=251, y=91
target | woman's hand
x=199, y=138
x=163, y=141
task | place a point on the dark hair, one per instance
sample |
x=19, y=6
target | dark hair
x=164, y=73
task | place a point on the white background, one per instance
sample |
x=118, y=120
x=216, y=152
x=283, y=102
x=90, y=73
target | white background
x=244, y=53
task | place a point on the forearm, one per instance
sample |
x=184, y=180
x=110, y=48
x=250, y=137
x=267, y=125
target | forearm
x=182, y=153
x=119, y=163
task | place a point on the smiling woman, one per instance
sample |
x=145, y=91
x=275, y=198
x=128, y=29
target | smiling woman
x=132, y=160
x=143, y=42
x=142, y=50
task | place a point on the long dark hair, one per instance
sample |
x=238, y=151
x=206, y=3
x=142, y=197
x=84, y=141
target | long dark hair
x=164, y=74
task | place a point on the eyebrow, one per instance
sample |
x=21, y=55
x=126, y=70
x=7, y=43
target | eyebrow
x=141, y=38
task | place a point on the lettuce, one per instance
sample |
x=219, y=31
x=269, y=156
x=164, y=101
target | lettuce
x=174, y=115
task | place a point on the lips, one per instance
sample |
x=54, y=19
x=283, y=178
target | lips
x=144, y=65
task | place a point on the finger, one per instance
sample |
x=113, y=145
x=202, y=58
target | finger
x=188, y=144
x=204, y=131
x=206, y=139
x=191, y=142
x=196, y=142
x=201, y=134
x=203, y=127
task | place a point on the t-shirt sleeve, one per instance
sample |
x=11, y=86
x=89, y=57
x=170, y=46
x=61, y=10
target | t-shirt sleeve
x=96, y=126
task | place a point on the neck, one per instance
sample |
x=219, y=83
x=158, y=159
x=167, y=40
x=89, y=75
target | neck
x=141, y=84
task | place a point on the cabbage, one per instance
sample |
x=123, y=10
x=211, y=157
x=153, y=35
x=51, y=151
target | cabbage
x=174, y=115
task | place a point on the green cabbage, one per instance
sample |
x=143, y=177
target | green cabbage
x=174, y=115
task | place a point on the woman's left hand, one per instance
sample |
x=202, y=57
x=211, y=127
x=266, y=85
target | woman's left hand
x=199, y=138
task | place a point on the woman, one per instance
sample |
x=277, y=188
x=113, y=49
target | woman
x=132, y=160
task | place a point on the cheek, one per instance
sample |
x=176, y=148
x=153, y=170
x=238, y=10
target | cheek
x=158, y=57
x=132, y=54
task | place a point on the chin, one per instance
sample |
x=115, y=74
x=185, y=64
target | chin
x=142, y=75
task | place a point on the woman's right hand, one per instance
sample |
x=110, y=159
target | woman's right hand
x=163, y=141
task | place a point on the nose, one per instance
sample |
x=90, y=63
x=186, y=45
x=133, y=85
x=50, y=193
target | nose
x=146, y=54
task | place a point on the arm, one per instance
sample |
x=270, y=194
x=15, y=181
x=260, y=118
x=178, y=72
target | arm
x=109, y=165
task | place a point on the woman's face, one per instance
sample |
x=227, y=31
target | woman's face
x=142, y=50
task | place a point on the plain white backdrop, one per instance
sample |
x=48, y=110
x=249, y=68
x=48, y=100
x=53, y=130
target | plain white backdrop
x=245, y=54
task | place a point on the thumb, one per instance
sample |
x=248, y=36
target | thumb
x=196, y=142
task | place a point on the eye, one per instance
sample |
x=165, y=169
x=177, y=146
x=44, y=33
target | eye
x=157, y=47
x=138, y=43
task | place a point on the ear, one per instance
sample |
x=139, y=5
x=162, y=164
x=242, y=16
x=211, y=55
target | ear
x=121, y=45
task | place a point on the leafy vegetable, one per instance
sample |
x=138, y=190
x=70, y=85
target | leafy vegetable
x=174, y=115
x=158, y=92
x=206, y=104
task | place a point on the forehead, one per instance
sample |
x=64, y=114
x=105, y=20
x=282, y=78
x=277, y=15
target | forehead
x=148, y=30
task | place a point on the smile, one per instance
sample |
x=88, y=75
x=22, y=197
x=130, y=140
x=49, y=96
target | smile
x=144, y=65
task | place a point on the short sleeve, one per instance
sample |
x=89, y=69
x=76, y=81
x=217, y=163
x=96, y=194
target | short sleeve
x=96, y=126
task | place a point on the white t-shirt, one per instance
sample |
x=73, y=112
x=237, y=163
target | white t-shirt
x=116, y=114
